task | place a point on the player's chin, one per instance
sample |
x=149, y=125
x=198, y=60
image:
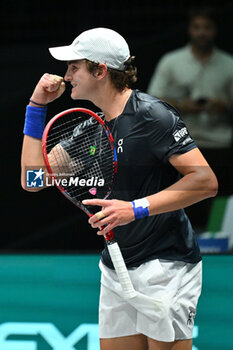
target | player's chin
x=76, y=95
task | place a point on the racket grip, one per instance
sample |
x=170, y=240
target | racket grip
x=121, y=270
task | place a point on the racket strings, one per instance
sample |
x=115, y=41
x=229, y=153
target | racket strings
x=80, y=143
x=79, y=152
x=58, y=133
x=70, y=125
x=79, y=147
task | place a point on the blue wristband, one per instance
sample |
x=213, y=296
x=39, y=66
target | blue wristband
x=35, y=121
x=140, y=208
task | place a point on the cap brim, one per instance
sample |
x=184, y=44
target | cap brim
x=64, y=53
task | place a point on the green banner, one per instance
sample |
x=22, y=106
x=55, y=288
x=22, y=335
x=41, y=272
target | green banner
x=51, y=302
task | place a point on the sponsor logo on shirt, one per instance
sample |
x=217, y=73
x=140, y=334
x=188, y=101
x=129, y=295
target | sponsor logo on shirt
x=120, y=146
x=178, y=134
x=187, y=140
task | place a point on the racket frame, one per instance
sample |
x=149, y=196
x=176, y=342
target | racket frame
x=45, y=154
x=113, y=247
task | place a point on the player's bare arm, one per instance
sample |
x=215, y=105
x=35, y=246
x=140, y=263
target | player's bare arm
x=49, y=88
x=198, y=183
x=55, y=163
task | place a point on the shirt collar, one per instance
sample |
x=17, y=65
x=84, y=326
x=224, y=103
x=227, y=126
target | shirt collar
x=131, y=105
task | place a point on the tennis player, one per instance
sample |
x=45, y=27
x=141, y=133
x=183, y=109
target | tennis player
x=161, y=171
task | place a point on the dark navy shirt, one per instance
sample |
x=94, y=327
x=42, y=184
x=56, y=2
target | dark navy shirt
x=146, y=135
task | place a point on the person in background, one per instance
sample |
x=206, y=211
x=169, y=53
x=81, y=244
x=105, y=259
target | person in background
x=197, y=79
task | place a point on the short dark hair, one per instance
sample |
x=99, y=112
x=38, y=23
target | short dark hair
x=120, y=79
x=203, y=11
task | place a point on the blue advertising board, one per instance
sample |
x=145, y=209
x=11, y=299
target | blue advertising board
x=51, y=302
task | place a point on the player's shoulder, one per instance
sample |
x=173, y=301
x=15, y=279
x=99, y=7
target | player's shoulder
x=155, y=110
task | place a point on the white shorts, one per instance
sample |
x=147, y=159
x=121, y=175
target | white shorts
x=175, y=284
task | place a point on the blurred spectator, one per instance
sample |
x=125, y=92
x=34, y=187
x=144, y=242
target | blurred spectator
x=197, y=79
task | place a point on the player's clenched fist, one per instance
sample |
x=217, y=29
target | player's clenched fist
x=49, y=88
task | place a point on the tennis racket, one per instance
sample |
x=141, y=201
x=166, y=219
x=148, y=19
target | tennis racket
x=80, y=157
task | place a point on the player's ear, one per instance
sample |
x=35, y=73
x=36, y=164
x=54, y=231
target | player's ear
x=101, y=71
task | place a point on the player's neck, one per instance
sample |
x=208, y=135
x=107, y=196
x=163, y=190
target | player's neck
x=113, y=102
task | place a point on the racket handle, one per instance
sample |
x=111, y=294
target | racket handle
x=121, y=270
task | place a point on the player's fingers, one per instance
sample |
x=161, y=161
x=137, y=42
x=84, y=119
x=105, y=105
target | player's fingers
x=52, y=78
x=52, y=82
x=104, y=221
x=61, y=89
x=106, y=229
x=57, y=78
x=46, y=79
x=98, y=216
x=98, y=202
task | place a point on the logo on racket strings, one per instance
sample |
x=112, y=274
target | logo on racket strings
x=92, y=150
x=93, y=191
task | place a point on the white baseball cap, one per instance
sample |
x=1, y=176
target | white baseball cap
x=99, y=45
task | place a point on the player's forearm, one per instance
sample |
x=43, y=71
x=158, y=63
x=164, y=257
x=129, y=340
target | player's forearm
x=191, y=189
x=31, y=158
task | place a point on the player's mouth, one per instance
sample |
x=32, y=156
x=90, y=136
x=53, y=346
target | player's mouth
x=73, y=87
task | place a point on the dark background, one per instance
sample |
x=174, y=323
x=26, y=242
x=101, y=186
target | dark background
x=46, y=221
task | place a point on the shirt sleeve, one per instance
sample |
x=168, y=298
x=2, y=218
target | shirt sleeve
x=160, y=79
x=167, y=132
